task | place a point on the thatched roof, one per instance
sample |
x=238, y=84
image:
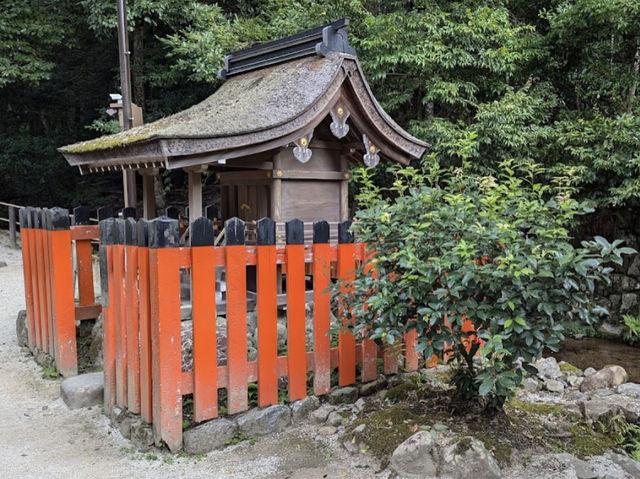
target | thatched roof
x=259, y=110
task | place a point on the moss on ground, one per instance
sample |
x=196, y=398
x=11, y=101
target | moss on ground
x=401, y=391
x=566, y=367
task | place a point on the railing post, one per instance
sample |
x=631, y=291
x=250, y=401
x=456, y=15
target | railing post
x=86, y=293
x=164, y=266
x=203, y=300
x=346, y=339
x=12, y=226
x=144, y=311
x=235, y=255
x=107, y=287
x=132, y=324
x=27, y=268
x=64, y=307
x=267, y=313
x=321, y=308
x=296, y=327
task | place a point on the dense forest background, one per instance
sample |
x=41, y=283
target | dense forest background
x=548, y=81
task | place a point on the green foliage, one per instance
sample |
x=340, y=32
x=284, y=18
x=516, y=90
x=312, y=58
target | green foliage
x=631, y=333
x=451, y=247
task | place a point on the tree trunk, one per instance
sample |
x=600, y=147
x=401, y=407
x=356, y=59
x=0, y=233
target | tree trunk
x=634, y=84
x=137, y=69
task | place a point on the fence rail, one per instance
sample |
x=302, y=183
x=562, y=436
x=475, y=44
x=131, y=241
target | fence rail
x=141, y=264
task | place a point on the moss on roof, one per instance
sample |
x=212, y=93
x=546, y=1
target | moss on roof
x=255, y=101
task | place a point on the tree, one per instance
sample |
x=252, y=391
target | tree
x=475, y=263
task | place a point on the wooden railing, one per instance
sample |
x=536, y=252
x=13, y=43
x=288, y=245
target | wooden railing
x=11, y=219
x=48, y=243
x=141, y=264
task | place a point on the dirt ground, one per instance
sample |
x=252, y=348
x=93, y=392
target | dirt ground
x=40, y=437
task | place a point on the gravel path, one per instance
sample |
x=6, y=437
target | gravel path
x=40, y=437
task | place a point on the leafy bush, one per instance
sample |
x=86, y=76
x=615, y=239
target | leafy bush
x=475, y=264
x=631, y=332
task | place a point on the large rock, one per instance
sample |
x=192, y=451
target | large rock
x=84, y=390
x=424, y=455
x=21, y=328
x=629, y=389
x=607, y=377
x=209, y=436
x=629, y=466
x=582, y=469
x=321, y=414
x=258, y=422
x=343, y=395
x=554, y=386
x=597, y=407
x=371, y=387
x=141, y=435
x=301, y=409
x=548, y=368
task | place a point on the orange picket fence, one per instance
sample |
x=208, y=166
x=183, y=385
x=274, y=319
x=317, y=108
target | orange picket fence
x=141, y=268
x=48, y=243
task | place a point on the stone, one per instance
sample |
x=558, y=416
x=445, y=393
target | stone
x=629, y=389
x=343, y=395
x=327, y=431
x=301, y=409
x=359, y=405
x=582, y=469
x=84, y=390
x=320, y=415
x=209, y=436
x=141, y=435
x=607, y=377
x=629, y=466
x=282, y=335
x=629, y=301
x=589, y=371
x=597, y=407
x=574, y=380
x=531, y=385
x=548, y=368
x=424, y=455
x=95, y=346
x=21, y=328
x=634, y=267
x=125, y=425
x=610, y=331
x=367, y=389
x=554, y=386
x=3, y=264
x=258, y=422
x=335, y=419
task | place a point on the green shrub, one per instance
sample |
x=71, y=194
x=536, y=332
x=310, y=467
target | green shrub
x=631, y=329
x=451, y=247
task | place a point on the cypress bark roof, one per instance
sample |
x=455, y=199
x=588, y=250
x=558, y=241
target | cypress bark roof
x=267, y=106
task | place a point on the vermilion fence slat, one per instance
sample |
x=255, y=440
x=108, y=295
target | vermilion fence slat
x=42, y=296
x=47, y=335
x=346, y=339
x=166, y=345
x=119, y=329
x=321, y=308
x=411, y=357
x=390, y=359
x=296, y=329
x=236, y=328
x=132, y=319
x=205, y=362
x=369, y=366
x=144, y=311
x=25, y=237
x=266, y=272
x=86, y=294
x=109, y=330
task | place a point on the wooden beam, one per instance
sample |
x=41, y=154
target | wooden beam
x=90, y=311
x=344, y=189
x=148, y=193
x=311, y=175
x=195, y=194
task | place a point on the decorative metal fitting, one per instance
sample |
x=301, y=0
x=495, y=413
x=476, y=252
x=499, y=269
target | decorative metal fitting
x=339, y=126
x=371, y=157
x=301, y=152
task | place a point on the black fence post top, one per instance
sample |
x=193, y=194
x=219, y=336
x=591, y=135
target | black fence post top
x=344, y=233
x=321, y=232
x=81, y=215
x=142, y=232
x=104, y=212
x=266, y=231
x=58, y=218
x=107, y=231
x=201, y=232
x=130, y=236
x=211, y=212
x=294, y=231
x=234, y=231
x=128, y=212
x=31, y=217
x=119, y=232
x=164, y=233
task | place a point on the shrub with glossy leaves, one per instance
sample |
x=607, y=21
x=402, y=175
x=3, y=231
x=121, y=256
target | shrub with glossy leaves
x=475, y=265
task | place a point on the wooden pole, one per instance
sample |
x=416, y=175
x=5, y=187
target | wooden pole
x=12, y=226
x=148, y=194
x=195, y=194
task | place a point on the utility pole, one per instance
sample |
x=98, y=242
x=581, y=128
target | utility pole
x=128, y=176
